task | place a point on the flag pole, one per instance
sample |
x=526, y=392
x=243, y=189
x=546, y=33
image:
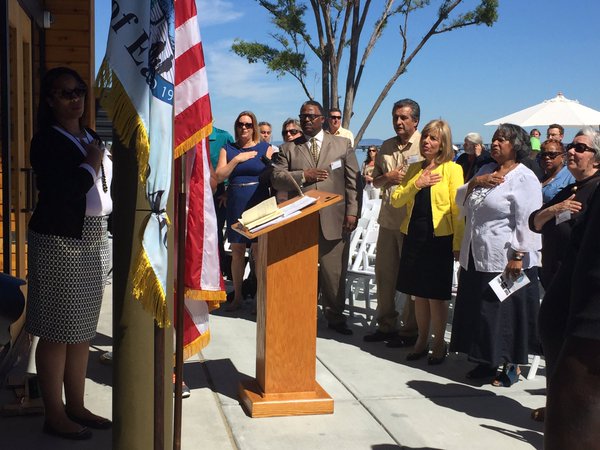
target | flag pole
x=159, y=387
x=179, y=301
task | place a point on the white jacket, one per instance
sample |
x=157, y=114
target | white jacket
x=497, y=220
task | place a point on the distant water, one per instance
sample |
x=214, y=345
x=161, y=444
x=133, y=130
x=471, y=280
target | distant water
x=361, y=155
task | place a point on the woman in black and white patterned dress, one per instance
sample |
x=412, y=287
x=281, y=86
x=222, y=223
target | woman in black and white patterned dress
x=68, y=251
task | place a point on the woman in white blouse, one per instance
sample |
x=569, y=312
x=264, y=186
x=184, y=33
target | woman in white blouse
x=497, y=203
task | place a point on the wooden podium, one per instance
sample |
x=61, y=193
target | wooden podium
x=286, y=321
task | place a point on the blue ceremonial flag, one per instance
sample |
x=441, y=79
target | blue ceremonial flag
x=136, y=83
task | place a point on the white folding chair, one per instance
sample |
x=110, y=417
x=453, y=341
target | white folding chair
x=362, y=271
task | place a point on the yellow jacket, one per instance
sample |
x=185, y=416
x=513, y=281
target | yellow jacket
x=446, y=220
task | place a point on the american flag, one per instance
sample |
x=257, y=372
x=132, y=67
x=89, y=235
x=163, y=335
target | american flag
x=193, y=124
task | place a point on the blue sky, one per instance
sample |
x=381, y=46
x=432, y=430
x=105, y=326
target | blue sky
x=467, y=77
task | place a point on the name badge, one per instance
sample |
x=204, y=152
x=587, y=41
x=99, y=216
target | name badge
x=336, y=164
x=412, y=159
x=563, y=217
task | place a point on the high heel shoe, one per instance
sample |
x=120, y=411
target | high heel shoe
x=435, y=360
x=413, y=356
x=234, y=306
x=83, y=434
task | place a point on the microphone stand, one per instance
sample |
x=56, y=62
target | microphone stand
x=269, y=163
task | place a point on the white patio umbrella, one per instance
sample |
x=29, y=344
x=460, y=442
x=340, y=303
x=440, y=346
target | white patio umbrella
x=560, y=110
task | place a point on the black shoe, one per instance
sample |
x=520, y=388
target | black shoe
x=80, y=435
x=418, y=355
x=402, y=341
x=380, y=336
x=435, y=360
x=482, y=371
x=341, y=328
x=100, y=423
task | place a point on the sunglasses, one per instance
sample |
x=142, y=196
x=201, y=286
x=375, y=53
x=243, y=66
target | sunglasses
x=335, y=117
x=550, y=155
x=70, y=94
x=293, y=132
x=248, y=125
x=310, y=117
x=372, y=151
x=580, y=147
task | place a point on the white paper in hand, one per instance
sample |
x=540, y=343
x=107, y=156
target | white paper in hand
x=503, y=286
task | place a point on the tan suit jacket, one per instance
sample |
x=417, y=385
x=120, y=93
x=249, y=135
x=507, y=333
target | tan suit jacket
x=338, y=158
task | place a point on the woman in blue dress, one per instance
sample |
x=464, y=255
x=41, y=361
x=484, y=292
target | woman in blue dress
x=241, y=164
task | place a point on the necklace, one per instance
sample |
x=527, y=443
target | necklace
x=82, y=142
x=104, y=183
x=502, y=171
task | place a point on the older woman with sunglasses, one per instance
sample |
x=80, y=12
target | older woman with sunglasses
x=498, y=202
x=290, y=130
x=240, y=163
x=556, y=175
x=556, y=221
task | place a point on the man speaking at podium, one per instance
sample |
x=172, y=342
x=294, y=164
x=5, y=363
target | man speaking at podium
x=321, y=161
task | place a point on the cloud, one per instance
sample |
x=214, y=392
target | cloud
x=231, y=76
x=217, y=12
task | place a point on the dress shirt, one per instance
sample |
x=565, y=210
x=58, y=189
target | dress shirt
x=318, y=138
x=497, y=220
x=391, y=156
x=343, y=132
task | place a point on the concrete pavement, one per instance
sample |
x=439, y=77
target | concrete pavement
x=381, y=401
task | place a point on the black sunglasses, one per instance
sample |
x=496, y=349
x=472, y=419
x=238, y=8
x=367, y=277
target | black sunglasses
x=335, y=117
x=248, y=125
x=293, y=132
x=550, y=155
x=70, y=94
x=310, y=117
x=580, y=147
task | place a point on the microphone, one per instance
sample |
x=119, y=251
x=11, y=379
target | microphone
x=269, y=163
x=266, y=161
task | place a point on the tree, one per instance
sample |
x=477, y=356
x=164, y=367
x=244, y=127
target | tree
x=339, y=26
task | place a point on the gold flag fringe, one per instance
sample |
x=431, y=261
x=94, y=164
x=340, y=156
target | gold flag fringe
x=194, y=347
x=125, y=119
x=199, y=294
x=192, y=140
x=212, y=298
x=132, y=133
x=148, y=290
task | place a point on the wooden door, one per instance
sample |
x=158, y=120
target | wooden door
x=20, y=121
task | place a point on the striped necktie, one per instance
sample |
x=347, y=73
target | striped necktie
x=314, y=149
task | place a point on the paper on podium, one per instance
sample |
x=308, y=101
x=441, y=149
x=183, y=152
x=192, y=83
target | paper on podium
x=297, y=205
x=504, y=286
x=264, y=212
x=285, y=212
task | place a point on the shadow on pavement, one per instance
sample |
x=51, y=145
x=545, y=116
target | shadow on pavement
x=501, y=408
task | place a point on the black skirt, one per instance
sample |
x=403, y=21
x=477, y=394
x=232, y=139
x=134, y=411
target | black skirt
x=426, y=262
x=490, y=331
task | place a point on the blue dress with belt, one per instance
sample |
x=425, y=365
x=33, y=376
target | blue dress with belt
x=244, y=190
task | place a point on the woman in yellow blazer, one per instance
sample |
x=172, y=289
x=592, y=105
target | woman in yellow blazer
x=433, y=233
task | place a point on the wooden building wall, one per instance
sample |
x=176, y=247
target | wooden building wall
x=70, y=41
